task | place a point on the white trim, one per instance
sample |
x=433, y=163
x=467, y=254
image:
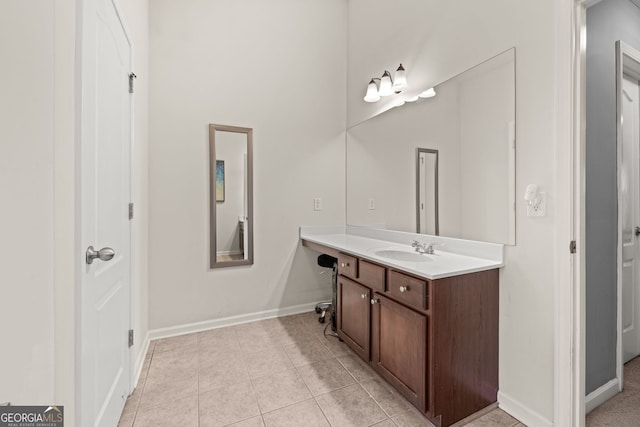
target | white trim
x=521, y=412
x=568, y=377
x=602, y=394
x=228, y=321
x=139, y=363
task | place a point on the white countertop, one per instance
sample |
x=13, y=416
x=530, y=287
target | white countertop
x=452, y=257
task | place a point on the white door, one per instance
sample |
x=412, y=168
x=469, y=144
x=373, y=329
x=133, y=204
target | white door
x=630, y=177
x=428, y=192
x=105, y=195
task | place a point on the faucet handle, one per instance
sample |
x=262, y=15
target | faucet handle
x=415, y=244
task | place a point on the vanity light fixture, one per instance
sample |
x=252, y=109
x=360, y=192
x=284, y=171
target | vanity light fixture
x=385, y=85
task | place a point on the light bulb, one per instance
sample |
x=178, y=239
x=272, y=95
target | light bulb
x=400, y=79
x=372, y=92
x=385, y=85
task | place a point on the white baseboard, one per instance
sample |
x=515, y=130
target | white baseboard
x=522, y=413
x=189, y=328
x=139, y=363
x=601, y=395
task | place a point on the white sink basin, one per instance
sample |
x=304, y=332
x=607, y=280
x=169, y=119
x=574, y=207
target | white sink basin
x=401, y=255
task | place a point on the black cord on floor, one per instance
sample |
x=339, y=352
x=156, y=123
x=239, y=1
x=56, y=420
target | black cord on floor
x=332, y=334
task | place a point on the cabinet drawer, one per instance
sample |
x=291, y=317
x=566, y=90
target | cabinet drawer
x=348, y=265
x=372, y=275
x=407, y=289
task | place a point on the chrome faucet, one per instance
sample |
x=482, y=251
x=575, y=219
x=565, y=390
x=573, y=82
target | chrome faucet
x=423, y=248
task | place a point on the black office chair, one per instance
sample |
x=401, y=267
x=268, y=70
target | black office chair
x=325, y=307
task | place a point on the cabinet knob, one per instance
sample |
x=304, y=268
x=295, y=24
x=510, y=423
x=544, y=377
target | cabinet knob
x=363, y=296
x=404, y=288
x=344, y=264
x=375, y=301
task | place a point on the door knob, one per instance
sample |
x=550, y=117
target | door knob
x=104, y=254
x=637, y=231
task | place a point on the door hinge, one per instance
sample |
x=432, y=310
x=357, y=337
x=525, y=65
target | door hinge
x=130, y=337
x=131, y=77
x=572, y=247
x=130, y=210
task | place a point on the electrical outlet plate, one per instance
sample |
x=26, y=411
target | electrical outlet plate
x=372, y=204
x=538, y=208
x=317, y=204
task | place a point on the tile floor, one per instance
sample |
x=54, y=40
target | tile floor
x=622, y=410
x=276, y=372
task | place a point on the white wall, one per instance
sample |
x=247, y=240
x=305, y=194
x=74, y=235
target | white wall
x=26, y=188
x=278, y=67
x=435, y=40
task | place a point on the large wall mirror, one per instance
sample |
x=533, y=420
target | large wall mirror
x=231, y=195
x=443, y=165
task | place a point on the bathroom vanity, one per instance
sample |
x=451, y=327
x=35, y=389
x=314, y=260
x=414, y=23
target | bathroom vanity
x=427, y=323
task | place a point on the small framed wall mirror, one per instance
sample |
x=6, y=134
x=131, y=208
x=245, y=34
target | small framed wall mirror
x=427, y=191
x=230, y=195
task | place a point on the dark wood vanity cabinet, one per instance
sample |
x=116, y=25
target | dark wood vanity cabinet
x=399, y=346
x=353, y=322
x=435, y=341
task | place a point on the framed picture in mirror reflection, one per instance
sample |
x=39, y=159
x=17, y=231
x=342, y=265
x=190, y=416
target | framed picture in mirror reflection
x=219, y=181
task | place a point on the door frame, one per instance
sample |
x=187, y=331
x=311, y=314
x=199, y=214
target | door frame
x=627, y=63
x=569, y=294
x=80, y=283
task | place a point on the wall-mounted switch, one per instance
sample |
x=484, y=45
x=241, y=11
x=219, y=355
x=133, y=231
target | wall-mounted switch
x=317, y=204
x=372, y=204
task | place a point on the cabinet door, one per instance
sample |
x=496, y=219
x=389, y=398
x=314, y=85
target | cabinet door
x=354, y=309
x=399, y=348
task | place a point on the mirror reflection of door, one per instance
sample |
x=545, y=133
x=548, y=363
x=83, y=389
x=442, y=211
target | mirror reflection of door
x=427, y=191
x=231, y=196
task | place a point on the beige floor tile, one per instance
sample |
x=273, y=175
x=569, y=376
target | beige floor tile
x=155, y=394
x=337, y=347
x=180, y=412
x=325, y=376
x=350, y=406
x=622, y=410
x=126, y=420
x=251, y=422
x=216, y=340
x=411, y=419
x=257, y=342
x=495, y=418
x=172, y=366
x=228, y=405
x=279, y=390
x=306, y=413
x=357, y=367
x=267, y=363
x=174, y=343
x=225, y=371
x=306, y=352
x=385, y=423
x=388, y=399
